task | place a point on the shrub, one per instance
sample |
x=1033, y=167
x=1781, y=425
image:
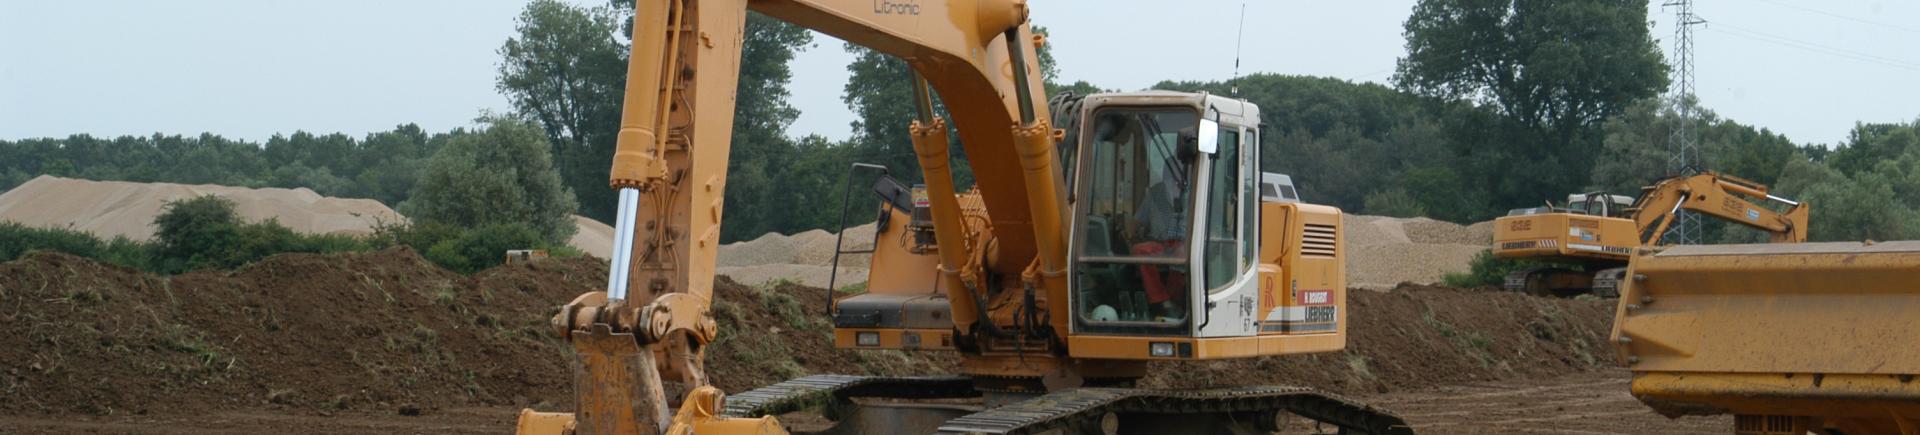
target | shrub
x=194, y=233
x=205, y=232
x=17, y=240
x=483, y=247
x=1488, y=270
x=502, y=174
x=1395, y=202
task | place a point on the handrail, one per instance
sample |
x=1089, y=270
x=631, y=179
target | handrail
x=840, y=235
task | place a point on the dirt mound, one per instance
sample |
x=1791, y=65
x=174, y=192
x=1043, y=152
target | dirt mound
x=372, y=332
x=1383, y=252
x=1420, y=336
x=384, y=331
x=378, y=330
x=116, y=208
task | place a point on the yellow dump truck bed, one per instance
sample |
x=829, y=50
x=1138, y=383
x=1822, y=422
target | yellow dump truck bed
x=1808, y=334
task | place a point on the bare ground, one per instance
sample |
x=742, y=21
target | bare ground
x=1583, y=403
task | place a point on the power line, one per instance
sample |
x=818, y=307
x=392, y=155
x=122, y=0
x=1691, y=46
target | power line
x=1843, y=17
x=1815, y=47
x=1686, y=154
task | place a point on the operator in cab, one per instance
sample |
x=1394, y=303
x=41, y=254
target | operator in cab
x=1162, y=225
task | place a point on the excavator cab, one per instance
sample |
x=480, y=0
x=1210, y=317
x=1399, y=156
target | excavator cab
x=1180, y=247
x=1170, y=237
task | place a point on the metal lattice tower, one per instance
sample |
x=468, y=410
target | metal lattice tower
x=1685, y=152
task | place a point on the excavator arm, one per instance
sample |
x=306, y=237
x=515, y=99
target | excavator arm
x=669, y=167
x=1721, y=196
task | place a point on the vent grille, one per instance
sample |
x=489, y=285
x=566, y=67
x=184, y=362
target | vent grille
x=1319, y=241
x=1765, y=425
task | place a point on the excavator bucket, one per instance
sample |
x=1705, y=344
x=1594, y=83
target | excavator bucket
x=1788, y=337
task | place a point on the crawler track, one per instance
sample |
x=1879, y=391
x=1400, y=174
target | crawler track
x=1081, y=407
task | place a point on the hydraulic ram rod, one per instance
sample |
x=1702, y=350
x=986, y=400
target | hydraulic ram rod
x=622, y=245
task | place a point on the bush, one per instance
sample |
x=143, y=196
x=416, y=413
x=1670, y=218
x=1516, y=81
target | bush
x=17, y=240
x=500, y=175
x=483, y=247
x=1487, y=270
x=1394, y=202
x=193, y=233
x=205, y=232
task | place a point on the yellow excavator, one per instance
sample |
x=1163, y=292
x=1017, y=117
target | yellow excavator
x=1138, y=230
x=1590, y=239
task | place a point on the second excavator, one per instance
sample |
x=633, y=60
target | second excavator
x=1104, y=232
x=1588, y=240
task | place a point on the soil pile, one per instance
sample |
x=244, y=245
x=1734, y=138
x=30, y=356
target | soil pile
x=388, y=332
x=370, y=332
x=1383, y=252
x=382, y=330
x=116, y=208
x=1422, y=336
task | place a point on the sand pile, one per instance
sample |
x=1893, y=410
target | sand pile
x=111, y=209
x=594, y=238
x=114, y=208
x=1383, y=252
x=805, y=258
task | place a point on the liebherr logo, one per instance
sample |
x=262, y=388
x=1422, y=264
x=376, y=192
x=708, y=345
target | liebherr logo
x=896, y=7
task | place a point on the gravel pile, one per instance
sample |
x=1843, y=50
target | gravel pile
x=1383, y=252
x=805, y=258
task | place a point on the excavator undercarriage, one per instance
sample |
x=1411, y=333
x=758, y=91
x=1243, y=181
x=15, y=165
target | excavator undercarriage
x=883, y=405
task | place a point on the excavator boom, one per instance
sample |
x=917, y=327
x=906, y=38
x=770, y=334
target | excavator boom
x=1591, y=245
x=1718, y=195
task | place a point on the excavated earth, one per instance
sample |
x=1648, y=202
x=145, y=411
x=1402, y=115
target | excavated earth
x=387, y=342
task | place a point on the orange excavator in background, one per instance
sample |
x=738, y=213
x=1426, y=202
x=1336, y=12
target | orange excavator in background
x=1104, y=232
x=1591, y=238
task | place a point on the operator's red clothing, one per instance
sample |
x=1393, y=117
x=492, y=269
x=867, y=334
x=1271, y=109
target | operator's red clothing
x=1150, y=273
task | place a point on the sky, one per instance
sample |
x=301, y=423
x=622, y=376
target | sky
x=249, y=69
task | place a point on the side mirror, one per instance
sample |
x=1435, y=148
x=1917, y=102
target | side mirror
x=1209, y=136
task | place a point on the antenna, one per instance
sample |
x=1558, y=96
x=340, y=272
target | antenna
x=1686, y=154
x=1238, y=36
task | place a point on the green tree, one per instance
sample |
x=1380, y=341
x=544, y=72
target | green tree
x=501, y=174
x=879, y=91
x=1550, y=70
x=1636, y=149
x=566, y=69
x=1394, y=202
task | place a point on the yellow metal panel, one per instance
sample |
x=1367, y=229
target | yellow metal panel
x=1774, y=308
x=896, y=269
x=1564, y=234
x=1810, y=329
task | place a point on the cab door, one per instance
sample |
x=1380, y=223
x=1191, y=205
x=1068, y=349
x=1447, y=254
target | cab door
x=1226, y=290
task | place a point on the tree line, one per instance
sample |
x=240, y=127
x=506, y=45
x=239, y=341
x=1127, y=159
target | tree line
x=1495, y=106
